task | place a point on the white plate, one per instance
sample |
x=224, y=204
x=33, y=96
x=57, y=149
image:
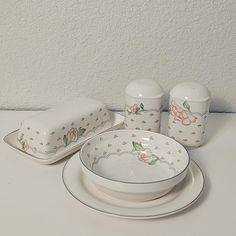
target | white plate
x=181, y=197
x=11, y=139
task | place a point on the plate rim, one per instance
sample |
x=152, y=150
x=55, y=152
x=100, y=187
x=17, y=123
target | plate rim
x=139, y=217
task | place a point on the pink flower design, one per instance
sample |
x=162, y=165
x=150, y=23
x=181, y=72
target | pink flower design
x=182, y=115
x=134, y=109
x=145, y=156
x=72, y=135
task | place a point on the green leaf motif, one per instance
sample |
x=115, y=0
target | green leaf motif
x=186, y=105
x=137, y=146
x=81, y=131
x=65, y=140
x=21, y=137
x=142, y=106
x=154, y=160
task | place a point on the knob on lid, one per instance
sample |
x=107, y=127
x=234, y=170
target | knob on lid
x=191, y=91
x=144, y=88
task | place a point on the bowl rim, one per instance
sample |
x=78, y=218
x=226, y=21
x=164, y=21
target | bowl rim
x=128, y=182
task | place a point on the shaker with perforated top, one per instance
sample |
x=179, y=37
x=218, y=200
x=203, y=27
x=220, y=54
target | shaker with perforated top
x=143, y=105
x=188, y=110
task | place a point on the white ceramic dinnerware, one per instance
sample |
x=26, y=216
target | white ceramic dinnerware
x=134, y=164
x=182, y=196
x=143, y=105
x=188, y=110
x=53, y=134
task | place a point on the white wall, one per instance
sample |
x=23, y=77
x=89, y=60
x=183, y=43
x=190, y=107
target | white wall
x=53, y=50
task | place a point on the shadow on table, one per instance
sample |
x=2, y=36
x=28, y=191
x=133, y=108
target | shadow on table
x=63, y=160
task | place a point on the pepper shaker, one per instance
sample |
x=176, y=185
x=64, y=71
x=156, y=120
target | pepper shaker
x=143, y=105
x=188, y=110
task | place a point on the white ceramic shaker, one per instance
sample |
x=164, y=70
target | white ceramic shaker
x=188, y=110
x=143, y=105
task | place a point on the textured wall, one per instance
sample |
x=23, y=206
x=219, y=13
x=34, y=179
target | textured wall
x=54, y=50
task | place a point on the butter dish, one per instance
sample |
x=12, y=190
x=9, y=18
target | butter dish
x=60, y=131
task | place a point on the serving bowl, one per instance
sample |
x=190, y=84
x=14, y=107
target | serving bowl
x=134, y=164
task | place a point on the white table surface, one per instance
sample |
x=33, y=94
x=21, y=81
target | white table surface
x=34, y=201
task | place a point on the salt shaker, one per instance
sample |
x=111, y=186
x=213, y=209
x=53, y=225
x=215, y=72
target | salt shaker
x=188, y=110
x=143, y=105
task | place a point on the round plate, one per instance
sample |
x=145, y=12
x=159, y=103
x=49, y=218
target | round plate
x=182, y=196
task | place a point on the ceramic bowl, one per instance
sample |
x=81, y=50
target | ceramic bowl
x=134, y=164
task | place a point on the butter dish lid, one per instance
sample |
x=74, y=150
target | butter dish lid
x=63, y=126
x=59, y=115
x=191, y=91
x=144, y=88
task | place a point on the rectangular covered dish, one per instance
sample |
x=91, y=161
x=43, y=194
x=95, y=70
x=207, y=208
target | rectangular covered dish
x=60, y=131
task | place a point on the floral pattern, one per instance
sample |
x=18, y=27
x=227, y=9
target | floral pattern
x=72, y=135
x=144, y=154
x=135, y=109
x=24, y=143
x=184, y=115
